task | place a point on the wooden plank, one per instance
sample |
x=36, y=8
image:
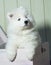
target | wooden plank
x=48, y=21
x=2, y=20
x=37, y=11
x=24, y=3
x=47, y=4
x=9, y=5
x=37, y=8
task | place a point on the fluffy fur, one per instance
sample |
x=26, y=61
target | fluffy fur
x=20, y=34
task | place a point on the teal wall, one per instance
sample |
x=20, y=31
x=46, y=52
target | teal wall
x=41, y=10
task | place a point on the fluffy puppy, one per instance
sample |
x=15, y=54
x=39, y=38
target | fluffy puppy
x=22, y=34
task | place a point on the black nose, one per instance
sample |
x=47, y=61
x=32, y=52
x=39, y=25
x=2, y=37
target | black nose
x=26, y=22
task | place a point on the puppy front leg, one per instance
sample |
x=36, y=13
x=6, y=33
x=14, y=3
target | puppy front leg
x=11, y=50
x=30, y=53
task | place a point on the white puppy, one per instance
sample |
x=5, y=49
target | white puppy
x=22, y=33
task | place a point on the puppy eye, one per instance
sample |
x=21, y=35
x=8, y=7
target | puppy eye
x=25, y=16
x=19, y=19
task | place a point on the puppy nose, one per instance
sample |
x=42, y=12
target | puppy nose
x=26, y=22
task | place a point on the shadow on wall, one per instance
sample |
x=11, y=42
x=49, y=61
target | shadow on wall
x=45, y=33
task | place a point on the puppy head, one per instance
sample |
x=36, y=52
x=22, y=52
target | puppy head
x=20, y=19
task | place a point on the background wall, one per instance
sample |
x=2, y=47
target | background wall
x=41, y=10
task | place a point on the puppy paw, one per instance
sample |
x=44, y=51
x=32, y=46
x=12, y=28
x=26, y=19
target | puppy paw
x=30, y=58
x=11, y=56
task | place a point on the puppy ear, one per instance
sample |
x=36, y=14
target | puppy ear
x=9, y=15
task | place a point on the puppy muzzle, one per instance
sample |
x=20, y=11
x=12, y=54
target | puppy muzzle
x=28, y=25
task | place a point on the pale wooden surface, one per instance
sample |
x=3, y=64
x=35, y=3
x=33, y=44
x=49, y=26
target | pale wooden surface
x=39, y=58
x=4, y=60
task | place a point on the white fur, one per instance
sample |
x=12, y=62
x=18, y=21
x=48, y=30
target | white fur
x=20, y=35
